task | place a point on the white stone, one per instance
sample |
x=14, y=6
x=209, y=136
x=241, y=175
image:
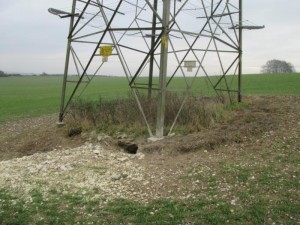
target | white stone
x=123, y=159
x=115, y=177
x=97, y=152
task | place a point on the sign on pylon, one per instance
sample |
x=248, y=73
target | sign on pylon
x=105, y=50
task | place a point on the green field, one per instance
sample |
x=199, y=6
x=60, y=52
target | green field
x=271, y=84
x=30, y=96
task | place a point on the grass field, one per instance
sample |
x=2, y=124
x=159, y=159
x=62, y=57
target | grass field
x=30, y=96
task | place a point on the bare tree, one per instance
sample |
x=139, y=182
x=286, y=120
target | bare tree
x=277, y=66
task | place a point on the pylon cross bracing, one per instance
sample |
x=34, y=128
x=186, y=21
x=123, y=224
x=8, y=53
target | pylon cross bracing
x=151, y=41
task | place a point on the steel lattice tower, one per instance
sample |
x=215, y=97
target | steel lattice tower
x=156, y=38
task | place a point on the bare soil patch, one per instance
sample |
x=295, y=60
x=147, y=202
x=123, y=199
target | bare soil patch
x=278, y=115
x=33, y=135
x=265, y=113
x=179, y=167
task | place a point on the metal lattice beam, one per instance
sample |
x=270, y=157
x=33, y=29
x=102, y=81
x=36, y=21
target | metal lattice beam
x=161, y=34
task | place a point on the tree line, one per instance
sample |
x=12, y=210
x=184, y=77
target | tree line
x=271, y=66
x=3, y=74
x=278, y=66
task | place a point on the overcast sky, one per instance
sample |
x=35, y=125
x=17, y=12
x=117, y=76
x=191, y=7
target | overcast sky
x=34, y=41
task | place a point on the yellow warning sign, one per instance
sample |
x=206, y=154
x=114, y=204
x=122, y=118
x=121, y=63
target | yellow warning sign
x=105, y=50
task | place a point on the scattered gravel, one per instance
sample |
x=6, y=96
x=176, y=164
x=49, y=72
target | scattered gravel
x=102, y=169
x=91, y=167
x=87, y=167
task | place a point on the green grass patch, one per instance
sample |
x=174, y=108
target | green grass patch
x=60, y=208
x=28, y=96
x=271, y=84
x=71, y=209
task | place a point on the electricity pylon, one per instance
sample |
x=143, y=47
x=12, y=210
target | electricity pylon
x=169, y=36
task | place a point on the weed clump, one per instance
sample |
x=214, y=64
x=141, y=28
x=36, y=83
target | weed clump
x=123, y=115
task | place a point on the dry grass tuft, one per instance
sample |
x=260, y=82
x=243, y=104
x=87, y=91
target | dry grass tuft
x=122, y=115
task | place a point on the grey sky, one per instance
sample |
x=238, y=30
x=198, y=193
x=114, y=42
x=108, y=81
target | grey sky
x=34, y=41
